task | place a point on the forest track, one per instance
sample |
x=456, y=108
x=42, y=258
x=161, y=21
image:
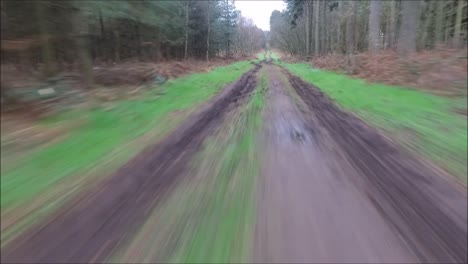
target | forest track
x=331, y=189
x=354, y=171
x=92, y=226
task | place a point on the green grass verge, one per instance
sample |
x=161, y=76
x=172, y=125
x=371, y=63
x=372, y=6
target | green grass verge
x=107, y=129
x=225, y=233
x=209, y=216
x=261, y=56
x=268, y=55
x=424, y=122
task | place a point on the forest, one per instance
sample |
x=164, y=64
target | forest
x=313, y=28
x=79, y=34
x=152, y=131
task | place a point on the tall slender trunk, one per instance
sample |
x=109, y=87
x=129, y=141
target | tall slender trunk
x=308, y=24
x=323, y=28
x=116, y=45
x=209, y=31
x=338, y=36
x=138, y=40
x=374, y=26
x=439, y=24
x=228, y=27
x=410, y=11
x=80, y=29
x=46, y=49
x=427, y=24
x=457, y=34
x=102, y=38
x=448, y=22
x=157, y=45
x=186, y=29
x=393, y=24
x=350, y=22
x=317, y=28
x=387, y=32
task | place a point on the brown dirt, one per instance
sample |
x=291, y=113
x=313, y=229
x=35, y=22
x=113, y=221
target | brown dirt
x=136, y=73
x=422, y=209
x=95, y=224
x=331, y=189
x=309, y=206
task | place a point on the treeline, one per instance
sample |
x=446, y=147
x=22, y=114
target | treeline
x=316, y=27
x=54, y=32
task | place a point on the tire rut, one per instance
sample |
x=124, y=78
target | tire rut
x=422, y=206
x=309, y=206
x=91, y=227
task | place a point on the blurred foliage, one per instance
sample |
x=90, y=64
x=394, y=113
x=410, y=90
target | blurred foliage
x=59, y=33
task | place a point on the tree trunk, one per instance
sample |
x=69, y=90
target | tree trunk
x=80, y=29
x=410, y=11
x=338, y=37
x=46, y=49
x=102, y=38
x=427, y=24
x=228, y=27
x=324, y=25
x=116, y=46
x=457, y=34
x=138, y=40
x=448, y=21
x=358, y=27
x=439, y=24
x=317, y=28
x=327, y=29
x=374, y=26
x=157, y=45
x=186, y=29
x=350, y=28
x=209, y=31
x=393, y=24
x=308, y=24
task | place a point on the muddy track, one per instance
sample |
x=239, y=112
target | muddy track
x=422, y=207
x=94, y=225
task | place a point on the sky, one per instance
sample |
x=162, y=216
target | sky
x=259, y=11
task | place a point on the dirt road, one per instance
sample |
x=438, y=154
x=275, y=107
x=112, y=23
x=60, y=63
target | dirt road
x=309, y=206
x=325, y=197
x=92, y=227
x=330, y=189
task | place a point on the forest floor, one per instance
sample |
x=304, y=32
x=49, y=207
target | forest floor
x=268, y=169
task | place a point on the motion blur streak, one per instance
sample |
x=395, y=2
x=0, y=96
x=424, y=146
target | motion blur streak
x=182, y=132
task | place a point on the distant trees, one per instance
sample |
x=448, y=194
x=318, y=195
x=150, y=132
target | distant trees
x=54, y=32
x=316, y=27
x=249, y=38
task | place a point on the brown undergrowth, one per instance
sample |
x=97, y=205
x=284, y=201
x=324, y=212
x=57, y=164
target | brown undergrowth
x=441, y=71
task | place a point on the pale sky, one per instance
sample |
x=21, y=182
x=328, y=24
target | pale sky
x=259, y=11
